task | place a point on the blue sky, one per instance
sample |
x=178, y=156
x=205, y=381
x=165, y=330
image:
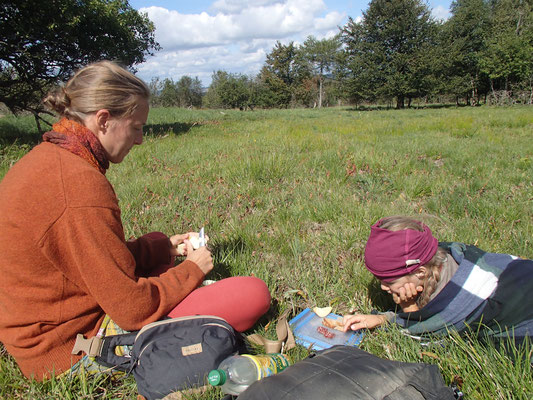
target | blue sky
x=199, y=37
x=351, y=8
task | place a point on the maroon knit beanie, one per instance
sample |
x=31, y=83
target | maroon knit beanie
x=390, y=255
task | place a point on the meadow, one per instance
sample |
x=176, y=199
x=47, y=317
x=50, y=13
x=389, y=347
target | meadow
x=289, y=196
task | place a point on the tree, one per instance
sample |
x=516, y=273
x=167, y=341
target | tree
x=186, y=92
x=284, y=71
x=321, y=56
x=464, y=40
x=155, y=86
x=228, y=91
x=508, y=55
x=276, y=92
x=189, y=92
x=168, y=96
x=43, y=42
x=212, y=97
x=387, y=50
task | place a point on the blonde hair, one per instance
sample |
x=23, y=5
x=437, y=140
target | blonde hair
x=433, y=266
x=101, y=85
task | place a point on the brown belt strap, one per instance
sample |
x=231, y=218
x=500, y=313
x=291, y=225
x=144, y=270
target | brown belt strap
x=285, y=338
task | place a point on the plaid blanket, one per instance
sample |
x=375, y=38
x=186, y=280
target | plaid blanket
x=490, y=293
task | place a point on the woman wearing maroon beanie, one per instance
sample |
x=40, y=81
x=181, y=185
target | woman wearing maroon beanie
x=446, y=286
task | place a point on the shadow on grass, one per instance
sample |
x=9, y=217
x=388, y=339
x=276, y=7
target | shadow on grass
x=379, y=298
x=175, y=128
x=11, y=133
x=413, y=107
x=221, y=251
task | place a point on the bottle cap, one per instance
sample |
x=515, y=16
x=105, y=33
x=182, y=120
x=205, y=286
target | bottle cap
x=216, y=377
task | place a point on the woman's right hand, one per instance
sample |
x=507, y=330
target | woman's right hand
x=362, y=321
x=406, y=297
x=201, y=257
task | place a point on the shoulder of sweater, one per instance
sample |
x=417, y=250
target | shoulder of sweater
x=83, y=185
x=50, y=178
x=42, y=185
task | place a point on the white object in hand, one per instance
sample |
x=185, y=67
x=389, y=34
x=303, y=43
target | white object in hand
x=201, y=237
x=196, y=242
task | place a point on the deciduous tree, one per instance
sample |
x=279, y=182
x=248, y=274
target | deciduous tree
x=189, y=91
x=321, y=55
x=42, y=42
x=508, y=55
x=228, y=91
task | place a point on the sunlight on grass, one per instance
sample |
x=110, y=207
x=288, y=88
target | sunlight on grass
x=289, y=195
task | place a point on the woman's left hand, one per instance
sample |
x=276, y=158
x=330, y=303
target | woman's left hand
x=177, y=240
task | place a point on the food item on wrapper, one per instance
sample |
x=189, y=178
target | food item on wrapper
x=325, y=332
x=305, y=329
x=333, y=324
x=322, y=311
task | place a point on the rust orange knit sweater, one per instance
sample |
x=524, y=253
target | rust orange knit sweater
x=64, y=262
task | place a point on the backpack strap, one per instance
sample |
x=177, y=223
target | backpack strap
x=103, y=349
x=285, y=339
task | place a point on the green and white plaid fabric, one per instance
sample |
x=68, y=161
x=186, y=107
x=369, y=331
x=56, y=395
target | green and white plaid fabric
x=489, y=291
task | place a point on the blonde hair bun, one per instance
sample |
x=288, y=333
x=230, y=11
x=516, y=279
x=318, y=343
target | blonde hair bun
x=101, y=85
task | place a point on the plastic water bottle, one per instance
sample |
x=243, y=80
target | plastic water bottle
x=236, y=373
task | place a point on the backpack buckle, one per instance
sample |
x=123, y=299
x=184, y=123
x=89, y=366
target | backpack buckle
x=92, y=347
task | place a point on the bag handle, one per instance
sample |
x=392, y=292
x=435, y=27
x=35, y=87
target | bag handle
x=285, y=339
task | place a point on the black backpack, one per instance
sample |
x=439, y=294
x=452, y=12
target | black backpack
x=346, y=372
x=169, y=355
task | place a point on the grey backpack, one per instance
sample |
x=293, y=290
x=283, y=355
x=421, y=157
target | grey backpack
x=169, y=355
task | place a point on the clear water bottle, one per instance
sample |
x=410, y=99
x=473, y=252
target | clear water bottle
x=236, y=373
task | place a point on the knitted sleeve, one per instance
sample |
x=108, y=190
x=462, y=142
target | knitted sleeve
x=149, y=252
x=87, y=244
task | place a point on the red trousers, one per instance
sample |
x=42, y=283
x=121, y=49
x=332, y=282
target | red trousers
x=240, y=300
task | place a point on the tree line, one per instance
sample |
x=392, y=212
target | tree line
x=396, y=53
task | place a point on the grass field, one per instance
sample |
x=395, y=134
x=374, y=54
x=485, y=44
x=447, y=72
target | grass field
x=289, y=196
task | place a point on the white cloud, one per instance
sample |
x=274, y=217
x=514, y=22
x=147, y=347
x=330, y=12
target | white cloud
x=235, y=36
x=252, y=46
x=235, y=6
x=273, y=20
x=440, y=12
x=330, y=20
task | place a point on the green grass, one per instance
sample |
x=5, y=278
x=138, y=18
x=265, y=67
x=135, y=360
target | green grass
x=289, y=195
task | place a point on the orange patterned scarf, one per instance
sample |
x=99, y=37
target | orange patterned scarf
x=76, y=138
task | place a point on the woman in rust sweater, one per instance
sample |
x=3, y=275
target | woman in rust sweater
x=65, y=265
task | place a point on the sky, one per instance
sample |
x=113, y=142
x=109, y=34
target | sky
x=199, y=37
